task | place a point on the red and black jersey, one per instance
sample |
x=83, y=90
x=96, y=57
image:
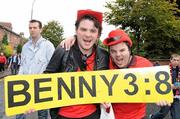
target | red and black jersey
x=131, y=110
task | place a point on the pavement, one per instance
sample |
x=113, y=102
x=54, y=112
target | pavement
x=151, y=108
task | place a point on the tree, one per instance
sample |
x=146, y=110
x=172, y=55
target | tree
x=5, y=39
x=19, y=48
x=53, y=31
x=8, y=50
x=151, y=23
x=100, y=43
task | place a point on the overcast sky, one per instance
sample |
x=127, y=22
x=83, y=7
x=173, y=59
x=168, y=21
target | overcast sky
x=18, y=12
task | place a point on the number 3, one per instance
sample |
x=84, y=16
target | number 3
x=132, y=83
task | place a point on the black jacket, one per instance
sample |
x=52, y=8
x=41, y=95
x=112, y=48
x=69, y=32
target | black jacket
x=68, y=61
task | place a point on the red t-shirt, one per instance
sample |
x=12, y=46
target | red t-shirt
x=79, y=111
x=131, y=110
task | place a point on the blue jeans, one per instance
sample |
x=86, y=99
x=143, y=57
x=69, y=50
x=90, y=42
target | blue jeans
x=42, y=114
x=174, y=108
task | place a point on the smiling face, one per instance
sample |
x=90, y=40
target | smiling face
x=120, y=54
x=87, y=35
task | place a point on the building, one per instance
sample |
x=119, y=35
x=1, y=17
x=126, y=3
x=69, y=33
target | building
x=14, y=39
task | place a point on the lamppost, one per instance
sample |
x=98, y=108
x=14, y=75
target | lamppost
x=32, y=9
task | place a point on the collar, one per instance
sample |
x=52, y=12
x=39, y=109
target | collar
x=39, y=41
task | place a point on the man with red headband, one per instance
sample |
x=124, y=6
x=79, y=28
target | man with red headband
x=84, y=55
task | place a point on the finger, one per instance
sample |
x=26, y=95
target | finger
x=106, y=105
x=67, y=45
x=62, y=43
x=72, y=43
x=30, y=111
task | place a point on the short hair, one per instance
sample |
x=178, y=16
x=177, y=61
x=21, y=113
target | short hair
x=128, y=46
x=91, y=18
x=174, y=56
x=34, y=20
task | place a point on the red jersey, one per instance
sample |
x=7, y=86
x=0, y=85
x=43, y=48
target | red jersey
x=131, y=110
x=79, y=111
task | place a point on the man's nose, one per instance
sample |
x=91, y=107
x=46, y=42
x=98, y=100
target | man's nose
x=88, y=33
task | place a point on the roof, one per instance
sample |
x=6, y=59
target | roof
x=8, y=29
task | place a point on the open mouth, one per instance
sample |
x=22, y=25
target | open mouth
x=87, y=42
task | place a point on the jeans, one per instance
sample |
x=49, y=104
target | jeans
x=42, y=114
x=14, y=69
x=174, y=108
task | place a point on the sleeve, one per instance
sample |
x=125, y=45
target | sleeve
x=50, y=50
x=22, y=59
x=55, y=61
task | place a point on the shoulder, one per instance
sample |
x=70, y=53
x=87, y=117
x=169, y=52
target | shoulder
x=47, y=44
x=59, y=52
x=25, y=46
x=47, y=41
x=102, y=51
x=142, y=62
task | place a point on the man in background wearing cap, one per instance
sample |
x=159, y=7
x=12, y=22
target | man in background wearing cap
x=84, y=55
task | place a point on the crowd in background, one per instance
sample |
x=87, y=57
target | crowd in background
x=11, y=63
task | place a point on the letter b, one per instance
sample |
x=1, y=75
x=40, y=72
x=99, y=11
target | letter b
x=12, y=93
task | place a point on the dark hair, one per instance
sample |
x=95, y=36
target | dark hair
x=91, y=18
x=129, y=48
x=33, y=21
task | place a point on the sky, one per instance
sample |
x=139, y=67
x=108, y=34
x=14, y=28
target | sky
x=18, y=12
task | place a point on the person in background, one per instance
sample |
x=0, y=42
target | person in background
x=35, y=56
x=13, y=64
x=19, y=60
x=3, y=61
x=156, y=63
x=175, y=106
x=84, y=55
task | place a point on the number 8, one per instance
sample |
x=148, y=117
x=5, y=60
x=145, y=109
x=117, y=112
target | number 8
x=168, y=85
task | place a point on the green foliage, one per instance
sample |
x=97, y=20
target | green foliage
x=19, y=48
x=101, y=44
x=5, y=39
x=153, y=27
x=8, y=50
x=53, y=31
